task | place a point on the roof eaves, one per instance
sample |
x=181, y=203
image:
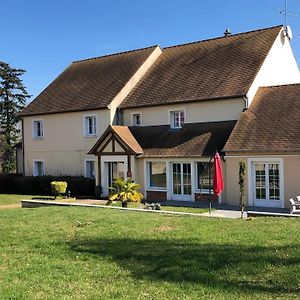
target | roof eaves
x=170, y=102
x=60, y=112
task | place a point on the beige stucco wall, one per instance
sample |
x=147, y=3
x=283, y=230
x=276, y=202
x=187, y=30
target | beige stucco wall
x=279, y=67
x=64, y=146
x=138, y=174
x=291, y=179
x=19, y=158
x=204, y=111
x=231, y=195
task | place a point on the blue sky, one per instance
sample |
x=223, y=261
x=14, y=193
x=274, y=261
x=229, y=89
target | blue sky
x=44, y=37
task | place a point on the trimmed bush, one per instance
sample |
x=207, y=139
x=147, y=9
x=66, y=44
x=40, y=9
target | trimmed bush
x=41, y=185
x=58, y=188
x=7, y=183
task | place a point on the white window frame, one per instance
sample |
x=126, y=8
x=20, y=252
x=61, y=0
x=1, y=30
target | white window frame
x=34, y=132
x=34, y=171
x=171, y=117
x=85, y=167
x=133, y=123
x=251, y=191
x=197, y=189
x=148, y=179
x=85, y=125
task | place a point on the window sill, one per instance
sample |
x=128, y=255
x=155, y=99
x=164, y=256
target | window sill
x=90, y=135
x=206, y=192
x=38, y=138
x=156, y=189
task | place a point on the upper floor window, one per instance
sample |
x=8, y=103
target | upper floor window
x=136, y=119
x=177, y=118
x=90, y=168
x=90, y=126
x=37, y=129
x=38, y=168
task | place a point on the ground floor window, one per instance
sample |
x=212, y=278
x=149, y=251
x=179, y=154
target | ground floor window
x=205, y=176
x=267, y=181
x=38, y=168
x=182, y=179
x=157, y=174
x=90, y=168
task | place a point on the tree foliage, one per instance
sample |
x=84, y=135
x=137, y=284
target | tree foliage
x=13, y=97
x=125, y=190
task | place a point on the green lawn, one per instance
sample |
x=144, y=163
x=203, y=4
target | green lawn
x=167, y=208
x=85, y=253
x=6, y=199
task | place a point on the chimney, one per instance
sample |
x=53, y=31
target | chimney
x=227, y=32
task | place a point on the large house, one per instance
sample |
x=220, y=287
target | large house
x=159, y=114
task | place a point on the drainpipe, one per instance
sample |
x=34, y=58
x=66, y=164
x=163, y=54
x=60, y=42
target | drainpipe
x=245, y=98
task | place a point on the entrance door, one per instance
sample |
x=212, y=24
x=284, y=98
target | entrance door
x=115, y=170
x=266, y=184
x=182, y=183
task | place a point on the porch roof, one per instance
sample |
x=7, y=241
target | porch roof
x=192, y=140
x=123, y=136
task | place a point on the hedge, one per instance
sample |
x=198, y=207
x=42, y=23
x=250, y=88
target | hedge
x=41, y=185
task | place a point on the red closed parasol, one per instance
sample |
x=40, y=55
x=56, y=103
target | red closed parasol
x=218, y=177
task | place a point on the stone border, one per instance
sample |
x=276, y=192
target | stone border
x=252, y=213
x=37, y=203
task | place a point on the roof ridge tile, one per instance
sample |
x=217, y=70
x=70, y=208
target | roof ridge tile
x=223, y=37
x=114, y=54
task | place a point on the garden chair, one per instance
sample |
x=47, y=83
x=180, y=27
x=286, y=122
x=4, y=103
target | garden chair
x=295, y=205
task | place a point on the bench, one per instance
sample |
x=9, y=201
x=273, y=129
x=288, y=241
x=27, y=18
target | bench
x=295, y=205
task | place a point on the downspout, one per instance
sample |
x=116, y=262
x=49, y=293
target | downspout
x=245, y=98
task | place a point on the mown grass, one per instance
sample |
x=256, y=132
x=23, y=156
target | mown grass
x=195, y=210
x=85, y=253
x=7, y=199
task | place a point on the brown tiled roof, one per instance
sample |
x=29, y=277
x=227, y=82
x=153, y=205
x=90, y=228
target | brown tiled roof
x=123, y=134
x=195, y=139
x=210, y=69
x=126, y=136
x=88, y=84
x=271, y=124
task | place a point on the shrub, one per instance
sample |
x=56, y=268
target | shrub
x=41, y=185
x=7, y=183
x=58, y=188
x=125, y=190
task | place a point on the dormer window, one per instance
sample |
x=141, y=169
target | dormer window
x=136, y=119
x=177, y=118
x=37, y=129
x=90, y=125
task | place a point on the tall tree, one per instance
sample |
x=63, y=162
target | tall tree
x=13, y=97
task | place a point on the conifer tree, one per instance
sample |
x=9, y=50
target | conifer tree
x=13, y=97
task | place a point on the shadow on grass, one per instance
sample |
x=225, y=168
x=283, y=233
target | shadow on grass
x=43, y=198
x=228, y=267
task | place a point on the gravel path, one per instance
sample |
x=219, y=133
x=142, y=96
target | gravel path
x=10, y=206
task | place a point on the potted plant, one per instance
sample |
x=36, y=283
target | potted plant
x=124, y=190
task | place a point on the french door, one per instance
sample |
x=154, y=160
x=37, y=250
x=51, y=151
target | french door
x=266, y=184
x=114, y=170
x=182, y=183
